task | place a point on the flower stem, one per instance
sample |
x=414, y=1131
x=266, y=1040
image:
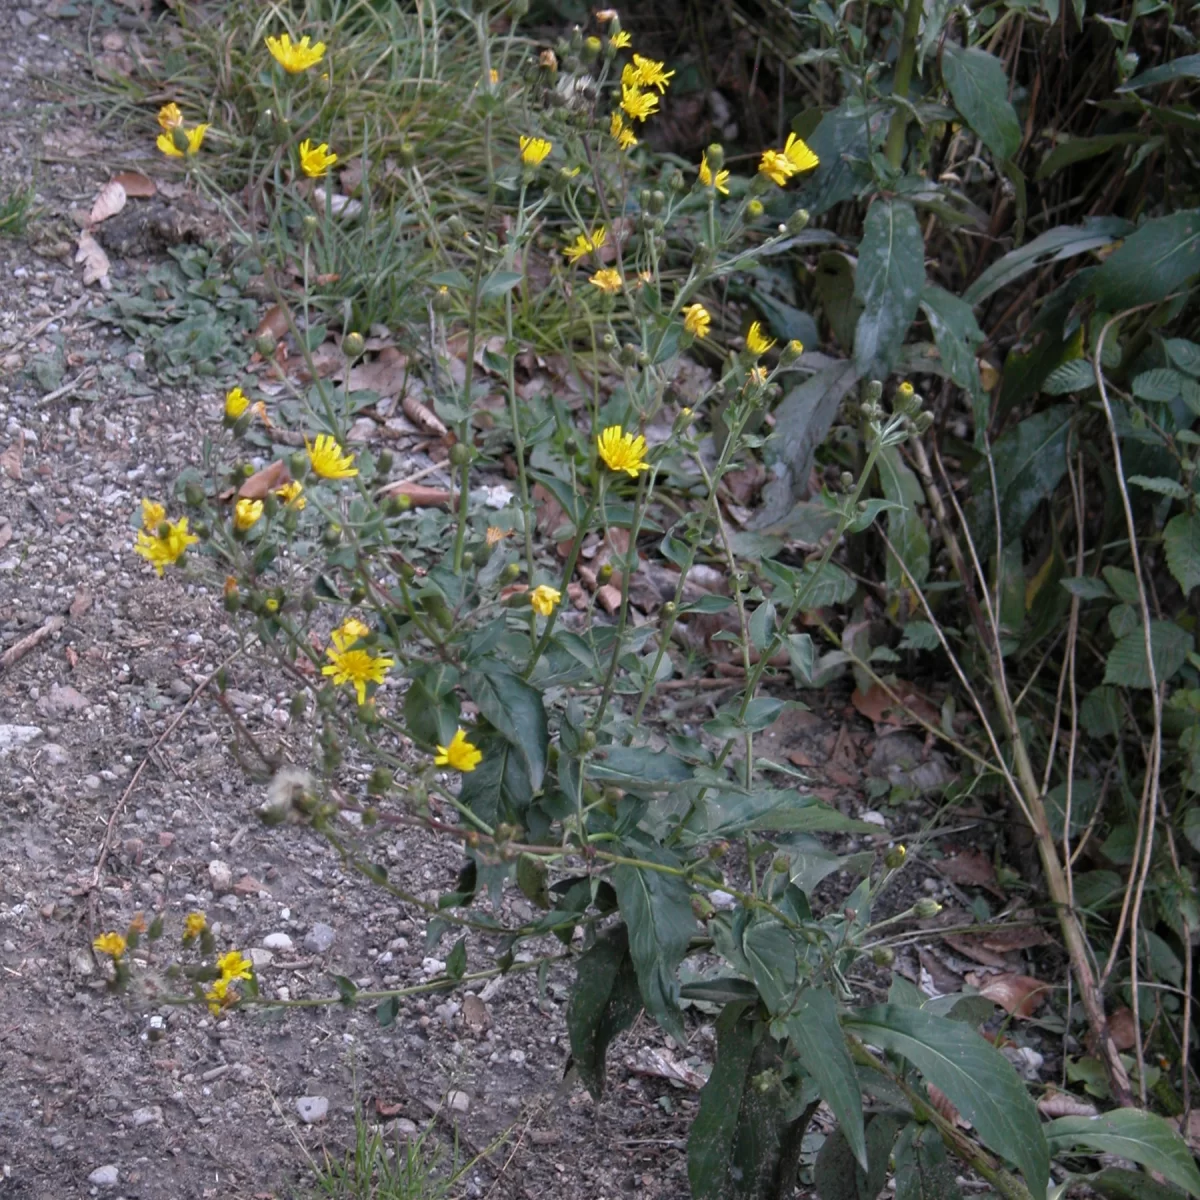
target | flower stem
x=894, y=148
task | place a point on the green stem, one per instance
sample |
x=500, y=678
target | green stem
x=894, y=148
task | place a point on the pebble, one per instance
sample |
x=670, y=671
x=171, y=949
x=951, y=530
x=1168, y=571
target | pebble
x=55, y=755
x=278, y=941
x=91, y=782
x=406, y=1128
x=147, y=1116
x=312, y=1109
x=105, y=1176
x=261, y=958
x=220, y=877
x=319, y=938
x=721, y=899
x=458, y=1101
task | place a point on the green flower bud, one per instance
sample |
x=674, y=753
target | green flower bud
x=669, y=610
x=782, y=865
x=511, y=573
x=308, y=602
x=358, y=594
x=872, y=391
x=702, y=908
x=270, y=504
x=232, y=601
x=442, y=300
x=298, y=706
x=332, y=534
x=894, y=858
x=468, y=560
x=193, y=495
x=353, y=345
x=754, y=209
x=798, y=221
x=922, y=421
x=456, y=227
x=383, y=463
x=461, y=454
x=715, y=154
x=847, y=480
x=309, y=227
x=608, y=342
x=658, y=201
x=628, y=356
x=883, y=956
x=298, y=464
x=604, y=574
x=380, y=782
x=397, y=504
x=926, y=908
x=571, y=445
x=265, y=344
x=406, y=156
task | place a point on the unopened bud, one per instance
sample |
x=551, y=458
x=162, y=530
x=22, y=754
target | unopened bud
x=604, y=574
x=715, y=156
x=628, y=356
x=922, y=421
x=702, y=907
x=754, y=209
x=846, y=480
x=926, y=908
x=511, y=573
x=883, y=956
x=608, y=342
x=353, y=345
x=406, y=156
x=460, y=455
x=798, y=221
x=456, y=227
x=265, y=344
x=872, y=391
x=380, y=782
x=895, y=857
x=782, y=865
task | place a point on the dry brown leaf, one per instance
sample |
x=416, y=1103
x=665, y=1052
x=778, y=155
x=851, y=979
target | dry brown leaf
x=475, y=1013
x=422, y=416
x=80, y=605
x=608, y=597
x=95, y=261
x=137, y=186
x=661, y=1065
x=1063, y=1104
x=110, y=199
x=1016, y=937
x=274, y=322
x=971, y=948
x=940, y=1101
x=386, y=1109
x=876, y=705
x=262, y=483
x=1123, y=1029
x=971, y=868
x=944, y=979
x=1020, y=995
x=387, y=374
x=420, y=495
x=11, y=459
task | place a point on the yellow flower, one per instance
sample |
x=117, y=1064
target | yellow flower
x=236, y=403
x=315, y=161
x=620, y=39
x=234, y=965
x=166, y=549
x=292, y=493
x=758, y=376
x=328, y=460
x=621, y=132
x=757, y=342
x=112, y=944
x=349, y=632
x=495, y=535
x=460, y=755
x=776, y=166
x=584, y=244
x=295, y=57
x=799, y=155
x=638, y=104
x=623, y=451
x=544, y=599
x=606, y=279
x=796, y=346
x=194, y=138
x=534, y=150
x=494, y=76
x=218, y=996
x=905, y=390
x=169, y=116
x=194, y=925
x=246, y=512
x=153, y=515
x=357, y=667
x=755, y=208
x=651, y=73
x=696, y=320
x=706, y=176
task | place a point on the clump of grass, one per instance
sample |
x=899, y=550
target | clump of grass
x=16, y=211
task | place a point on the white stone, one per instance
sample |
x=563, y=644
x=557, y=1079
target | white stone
x=105, y=1176
x=220, y=877
x=147, y=1116
x=261, y=958
x=12, y=736
x=458, y=1101
x=312, y=1109
x=278, y=941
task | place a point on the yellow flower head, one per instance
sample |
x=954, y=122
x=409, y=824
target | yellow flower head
x=315, y=161
x=709, y=180
x=620, y=39
x=754, y=208
x=799, y=155
x=623, y=451
x=356, y=667
x=169, y=116
x=234, y=965
x=112, y=944
x=651, y=73
x=548, y=59
x=585, y=243
x=796, y=347
x=757, y=342
x=776, y=166
x=328, y=460
x=460, y=755
x=493, y=77
x=758, y=377
x=349, y=632
x=905, y=390
x=194, y=925
x=621, y=132
x=218, y=996
x=292, y=493
x=194, y=138
x=167, y=548
x=495, y=535
x=638, y=104
x=295, y=57
x=534, y=150
x=696, y=320
x=606, y=279
x=153, y=515
x=246, y=512
x=236, y=403
x=544, y=599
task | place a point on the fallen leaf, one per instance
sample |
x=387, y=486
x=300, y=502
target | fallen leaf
x=1123, y=1029
x=876, y=705
x=72, y=657
x=10, y=460
x=95, y=261
x=1063, y=1104
x=137, y=186
x=109, y=201
x=422, y=416
x=420, y=495
x=475, y=1013
x=387, y=1109
x=249, y=886
x=972, y=868
x=1020, y=995
x=387, y=373
x=1016, y=937
x=971, y=948
x=661, y=1065
x=943, y=980
x=274, y=323
x=80, y=605
x=272, y=477
x=608, y=597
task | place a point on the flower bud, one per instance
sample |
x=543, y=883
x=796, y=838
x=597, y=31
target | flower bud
x=922, y=421
x=298, y=706
x=298, y=464
x=608, y=342
x=590, y=50
x=468, y=560
x=265, y=344
x=791, y=352
x=669, y=610
x=604, y=574
x=798, y=221
x=925, y=908
x=846, y=480
x=406, y=156
x=782, y=865
x=658, y=201
x=353, y=345
x=571, y=445
x=715, y=155
x=702, y=908
x=883, y=956
x=383, y=462
x=461, y=455
x=872, y=391
x=380, y=782
x=332, y=534
x=754, y=209
x=456, y=227
x=511, y=573
x=193, y=495
x=397, y=504
x=309, y=227
x=518, y=8
x=628, y=356
x=442, y=302
x=895, y=857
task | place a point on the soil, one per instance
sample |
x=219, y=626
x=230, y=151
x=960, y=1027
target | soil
x=127, y=798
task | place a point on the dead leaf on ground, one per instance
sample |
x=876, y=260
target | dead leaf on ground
x=608, y=597
x=944, y=980
x=260, y=485
x=1015, y=937
x=11, y=459
x=661, y=1065
x=1123, y=1029
x=970, y=948
x=876, y=705
x=387, y=1109
x=422, y=416
x=387, y=374
x=80, y=605
x=420, y=495
x=551, y=516
x=95, y=261
x=137, y=186
x=274, y=323
x=475, y=1013
x=110, y=199
x=1062, y=1104
x=971, y=868
x=1020, y=995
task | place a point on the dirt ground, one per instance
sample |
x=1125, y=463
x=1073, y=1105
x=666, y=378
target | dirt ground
x=102, y=816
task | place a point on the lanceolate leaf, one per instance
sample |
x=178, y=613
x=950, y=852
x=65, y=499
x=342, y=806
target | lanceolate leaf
x=923, y=1171
x=839, y=1177
x=956, y=333
x=1181, y=540
x=979, y=85
x=516, y=710
x=1155, y=262
x=1185, y=67
x=906, y=530
x=604, y=1001
x=979, y=1081
x=888, y=283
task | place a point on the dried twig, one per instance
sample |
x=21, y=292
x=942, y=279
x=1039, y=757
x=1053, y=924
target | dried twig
x=18, y=650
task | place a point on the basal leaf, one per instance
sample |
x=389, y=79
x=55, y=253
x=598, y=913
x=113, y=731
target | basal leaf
x=888, y=282
x=978, y=84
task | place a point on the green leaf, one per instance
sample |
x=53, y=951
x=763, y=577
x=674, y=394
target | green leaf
x=1077, y=375
x=1184, y=354
x=386, y=1011
x=920, y=635
x=814, y=1031
x=834, y=284
x=768, y=948
x=1185, y=67
x=820, y=586
x=979, y=1081
x=604, y=1002
x=1117, y=1184
x=761, y=625
x=1123, y=582
x=776, y=811
x=906, y=529
x=1087, y=587
x=979, y=87
x=658, y=911
x=1061, y=242
x=1160, y=485
x=431, y=709
x=714, y=1131
x=1131, y=1133
x=1181, y=541
x=839, y=1177
x=787, y=323
x=843, y=141
x=456, y=960
x=956, y=333
x=347, y=989
x=1080, y=149
x=637, y=766
x=923, y=1171
x=1160, y=384
x=888, y=282
x=497, y=283
x=1169, y=648
x=499, y=788
x=516, y=710
x=1152, y=264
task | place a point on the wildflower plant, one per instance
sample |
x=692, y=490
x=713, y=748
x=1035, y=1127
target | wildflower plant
x=493, y=701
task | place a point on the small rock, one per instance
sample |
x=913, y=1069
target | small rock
x=220, y=877
x=261, y=958
x=10, y=947
x=458, y=1102
x=312, y=1109
x=91, y=782
x=54, y=755
x=105, y=1176
x=405, y=1128
x=720, y=899
x=873, y=818
x=12, y=736
x=147, y=1116
x=82, y=962
x=475, y=1013
x=278, y=941
x=61, y=701
x=319, y=938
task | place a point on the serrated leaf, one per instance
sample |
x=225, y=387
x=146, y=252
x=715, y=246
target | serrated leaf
x=978, y=84
x=1131, y=1133
x=956, y=334
x=888, y=281
x=1184, y=354
x=1152, y=264
x=1078, y=375
x=1160, y=384
x=819, y=587
x=978, y=1080
x=1123, y=582
x=919, y=635
x=1126, y=665
x=1181, y=542
x=637, y=765
x=1160, y=485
